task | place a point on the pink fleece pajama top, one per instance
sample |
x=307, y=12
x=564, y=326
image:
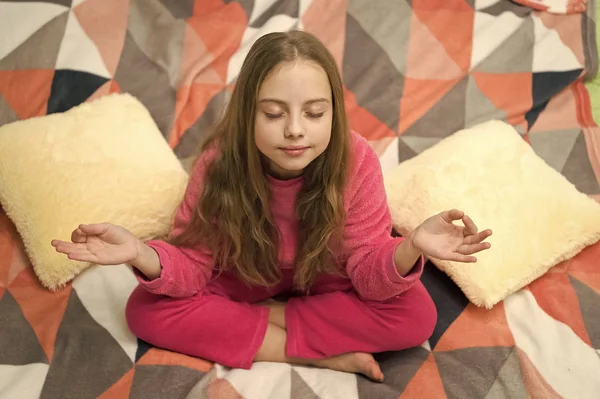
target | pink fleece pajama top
x=369, y=245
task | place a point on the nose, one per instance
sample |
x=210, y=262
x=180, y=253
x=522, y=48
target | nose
x=294, y=127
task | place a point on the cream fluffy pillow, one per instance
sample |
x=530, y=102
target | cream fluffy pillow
x=103, y=161
x=490, y=172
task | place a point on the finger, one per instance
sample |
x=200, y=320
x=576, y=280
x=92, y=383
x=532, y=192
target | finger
x=94, y=229
x=462, y=258
x=55, y=243
x=78, y=236
x=67, y=247
x=477, y=238
x=470, y=227
x=473, y=248
x=451, y=215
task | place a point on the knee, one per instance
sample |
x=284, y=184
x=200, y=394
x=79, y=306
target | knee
x=140, y=314
x=424, y=317
x=415, y=317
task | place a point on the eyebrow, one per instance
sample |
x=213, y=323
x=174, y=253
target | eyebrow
x=281, y=102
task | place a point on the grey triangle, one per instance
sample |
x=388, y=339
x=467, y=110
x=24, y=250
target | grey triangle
x=7, y=115
x=507, y=6
x=160, y=381
x=398, y=367
x=290, y=8
x=147, y=81
x=509, y=383
x=447, y=116
x=589, y=304
x=300, y=389
x=514, y=55
x=371, y=76
x=40, y=50
x=578, y=170
x=181, y=9
x=18, y=343
x=554, y=147
x=159, y=35
x=247, y=5
x=419, y=144
x=192, y=138
x=470, y=372
x=87, y=359
x=392, y=34
x=404, y=151
x=479, y=108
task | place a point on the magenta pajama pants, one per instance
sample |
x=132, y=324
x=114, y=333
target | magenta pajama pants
x=222, y=325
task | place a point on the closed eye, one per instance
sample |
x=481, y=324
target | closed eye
x=273, y=116
x=315, y=116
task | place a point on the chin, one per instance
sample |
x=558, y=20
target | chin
x=292, y=168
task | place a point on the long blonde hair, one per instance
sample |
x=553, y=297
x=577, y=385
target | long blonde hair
x=233, y=215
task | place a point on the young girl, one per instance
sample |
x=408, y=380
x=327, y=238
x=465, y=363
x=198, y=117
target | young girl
x=283, y=202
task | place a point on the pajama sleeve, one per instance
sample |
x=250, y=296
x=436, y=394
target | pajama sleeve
x=184, y=271
x=368, y=242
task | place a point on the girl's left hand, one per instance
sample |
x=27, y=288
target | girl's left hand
x=440, y=238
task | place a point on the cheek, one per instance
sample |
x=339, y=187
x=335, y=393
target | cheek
x=263, y=133
x=323, y=131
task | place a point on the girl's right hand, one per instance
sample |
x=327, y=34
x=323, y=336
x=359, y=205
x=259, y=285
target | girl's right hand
x=103, y=243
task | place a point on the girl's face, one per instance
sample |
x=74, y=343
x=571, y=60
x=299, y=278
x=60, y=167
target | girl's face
x=294, y=113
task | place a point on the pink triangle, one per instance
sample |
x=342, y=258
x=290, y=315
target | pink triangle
x=105, y=22
x=427, y=57
x=101, y=91
x=560, y=113
x=332, y=33
x=197, y=60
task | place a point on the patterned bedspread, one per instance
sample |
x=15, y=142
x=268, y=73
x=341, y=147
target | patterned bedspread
x=414, y=72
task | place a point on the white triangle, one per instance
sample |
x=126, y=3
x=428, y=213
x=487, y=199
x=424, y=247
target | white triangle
x=278, y=23
x=489, y=32
x=21, y=20
x=304, y=4
x=263, y=380
x=77, y=2
x=550, y=54
x=389, y=158
x=104, y=291
x=567, y=363
x=78, y=52
x=426, y=345
x=23, y=381
x=259, y=8
x=329, y=383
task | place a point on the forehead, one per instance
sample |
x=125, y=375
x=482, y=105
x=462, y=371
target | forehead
x=296, y=82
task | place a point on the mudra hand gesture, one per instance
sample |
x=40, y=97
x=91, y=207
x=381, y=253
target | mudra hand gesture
x=440, y=238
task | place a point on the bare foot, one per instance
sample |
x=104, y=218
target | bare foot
x=357, y=362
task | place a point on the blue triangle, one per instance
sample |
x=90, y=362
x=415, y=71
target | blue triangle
x=546, y=85
x=71, y=88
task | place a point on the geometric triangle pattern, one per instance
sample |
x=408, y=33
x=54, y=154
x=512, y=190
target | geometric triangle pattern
x=462, y=381
x=414, y=72
x=24, y=350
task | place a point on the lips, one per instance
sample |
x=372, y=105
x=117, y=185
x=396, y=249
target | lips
x=294, y=151
x=294, y=148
